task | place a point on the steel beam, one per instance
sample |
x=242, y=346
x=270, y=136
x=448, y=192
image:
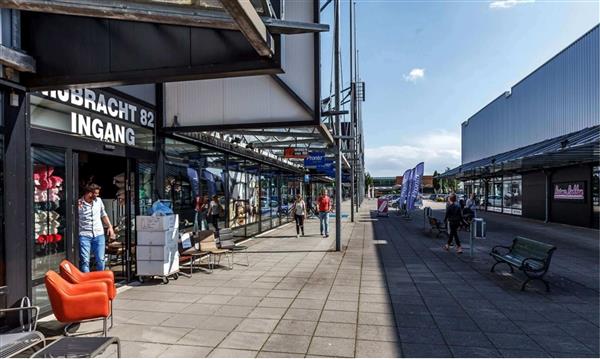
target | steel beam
x=16, y=59
x=251, y=25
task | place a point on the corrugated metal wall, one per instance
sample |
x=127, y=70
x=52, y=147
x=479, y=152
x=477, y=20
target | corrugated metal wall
x=560, y=97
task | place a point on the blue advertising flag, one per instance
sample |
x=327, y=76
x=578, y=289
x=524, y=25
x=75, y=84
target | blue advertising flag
x=417, y=175
x=404, y=191
x=194, y=181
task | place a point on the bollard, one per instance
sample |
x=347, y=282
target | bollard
x=426, y=213
x=477, y=232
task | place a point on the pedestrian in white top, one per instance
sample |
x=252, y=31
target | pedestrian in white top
x=299, y=211
x=472, y=204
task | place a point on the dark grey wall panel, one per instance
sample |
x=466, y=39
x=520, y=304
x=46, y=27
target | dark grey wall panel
x=575, y=213
x=534, y=193
x=131, y=43
x=558, y=98
x=73, y=51
x=66, y=45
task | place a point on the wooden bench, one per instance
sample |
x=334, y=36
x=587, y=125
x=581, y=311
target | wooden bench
x=531, y=257
x=437, y=225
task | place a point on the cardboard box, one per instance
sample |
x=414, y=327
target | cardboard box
x=157, y=238
x=156, y=223
x=156, y=253
x=158, y=267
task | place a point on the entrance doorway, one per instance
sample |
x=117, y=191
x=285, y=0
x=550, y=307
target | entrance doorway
x=109, y=172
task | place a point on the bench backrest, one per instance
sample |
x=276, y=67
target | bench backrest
x=526, y=247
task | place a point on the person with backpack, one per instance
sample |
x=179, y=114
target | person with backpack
x=454, y=219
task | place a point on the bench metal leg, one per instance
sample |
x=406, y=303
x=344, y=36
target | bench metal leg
x=538, y=278
x=495, y=264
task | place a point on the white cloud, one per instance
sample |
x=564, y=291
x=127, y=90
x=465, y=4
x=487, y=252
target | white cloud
x=438, y=150
x=506, y=4
x=414, y=75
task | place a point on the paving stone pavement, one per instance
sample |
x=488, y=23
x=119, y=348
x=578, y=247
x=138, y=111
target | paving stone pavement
x=391, y=292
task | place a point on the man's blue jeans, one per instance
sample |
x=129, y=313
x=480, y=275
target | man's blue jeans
x=94, y=245
x=324, y=221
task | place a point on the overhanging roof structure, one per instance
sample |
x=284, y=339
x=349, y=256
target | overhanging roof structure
x=574, y=148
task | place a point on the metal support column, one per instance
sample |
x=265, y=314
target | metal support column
x=353, y=159
x=338, y=130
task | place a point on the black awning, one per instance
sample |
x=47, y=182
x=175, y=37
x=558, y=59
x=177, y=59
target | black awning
x=574, y=148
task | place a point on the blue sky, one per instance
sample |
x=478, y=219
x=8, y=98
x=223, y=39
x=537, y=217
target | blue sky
x=430, y=65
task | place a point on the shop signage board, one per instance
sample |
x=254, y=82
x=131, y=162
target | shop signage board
x=314, y=159
x=569, y=191
x=95, y=114
x=292, y=152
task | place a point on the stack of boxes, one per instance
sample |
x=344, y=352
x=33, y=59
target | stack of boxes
x=156, y=249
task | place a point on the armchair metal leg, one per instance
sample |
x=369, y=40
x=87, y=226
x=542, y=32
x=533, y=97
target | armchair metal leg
x=111, y=315
x=104, y=329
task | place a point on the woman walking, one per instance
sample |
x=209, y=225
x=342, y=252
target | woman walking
x=299, y=214
x=454, y=219
x=214, y=211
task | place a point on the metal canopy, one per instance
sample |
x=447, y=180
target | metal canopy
x=574, y=148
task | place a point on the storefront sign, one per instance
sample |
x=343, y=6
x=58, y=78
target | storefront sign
x=570, y=191
x=95, y=114
x=291, y=152
x=314, y=159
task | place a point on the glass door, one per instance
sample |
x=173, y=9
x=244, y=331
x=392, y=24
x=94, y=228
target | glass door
x=49, y=235
x=142, y=183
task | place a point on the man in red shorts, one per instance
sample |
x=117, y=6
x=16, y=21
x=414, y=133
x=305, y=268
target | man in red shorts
x=324, y=204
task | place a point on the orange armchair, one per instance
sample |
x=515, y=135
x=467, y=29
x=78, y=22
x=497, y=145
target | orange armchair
x=73, y=275
x=72, y=303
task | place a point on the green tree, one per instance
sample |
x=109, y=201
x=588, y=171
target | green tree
x=436, y=181
x=368, y=181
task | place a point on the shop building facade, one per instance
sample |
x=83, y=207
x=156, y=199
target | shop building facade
x=534, y=151
x=61, y=128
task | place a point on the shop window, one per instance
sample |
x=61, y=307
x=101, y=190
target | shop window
x=239, y=205
x=265, y=200
x=49, y=221
x=252, y=216
x=494, y=198
x=146, y=174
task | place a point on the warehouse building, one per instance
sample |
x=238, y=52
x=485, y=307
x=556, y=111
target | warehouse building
x=534, y=150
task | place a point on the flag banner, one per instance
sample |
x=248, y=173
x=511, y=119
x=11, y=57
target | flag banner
x=194, y=181
x=404, y=189
x=382, y=207
x=415, y=186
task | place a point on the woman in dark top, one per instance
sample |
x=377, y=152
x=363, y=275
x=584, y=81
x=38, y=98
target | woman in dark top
x=454, y=219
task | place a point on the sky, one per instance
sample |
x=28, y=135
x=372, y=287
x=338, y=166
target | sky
x=430, y=65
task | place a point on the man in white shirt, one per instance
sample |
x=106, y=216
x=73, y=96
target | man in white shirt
x=92, y=219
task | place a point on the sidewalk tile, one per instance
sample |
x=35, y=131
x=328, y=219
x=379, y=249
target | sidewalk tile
x=257, y=325
x=299, y=327
x=184, y=320
x=302, y=303
x=376, y=319
x=265, y=354
x=411, y=350
x=337, y=316
x=337, y=330
x=232, y=353
x=302, y=314
x=288, y=343
x=341, y=305
x=374, y=349
x=219, y=323
x=276, y=302
x=242, y=340
x=267, y=313
x=203, y=337
x=234, y=311
x=332, y=347
x=185, y=351
x=377, y=332
x=245, y=301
